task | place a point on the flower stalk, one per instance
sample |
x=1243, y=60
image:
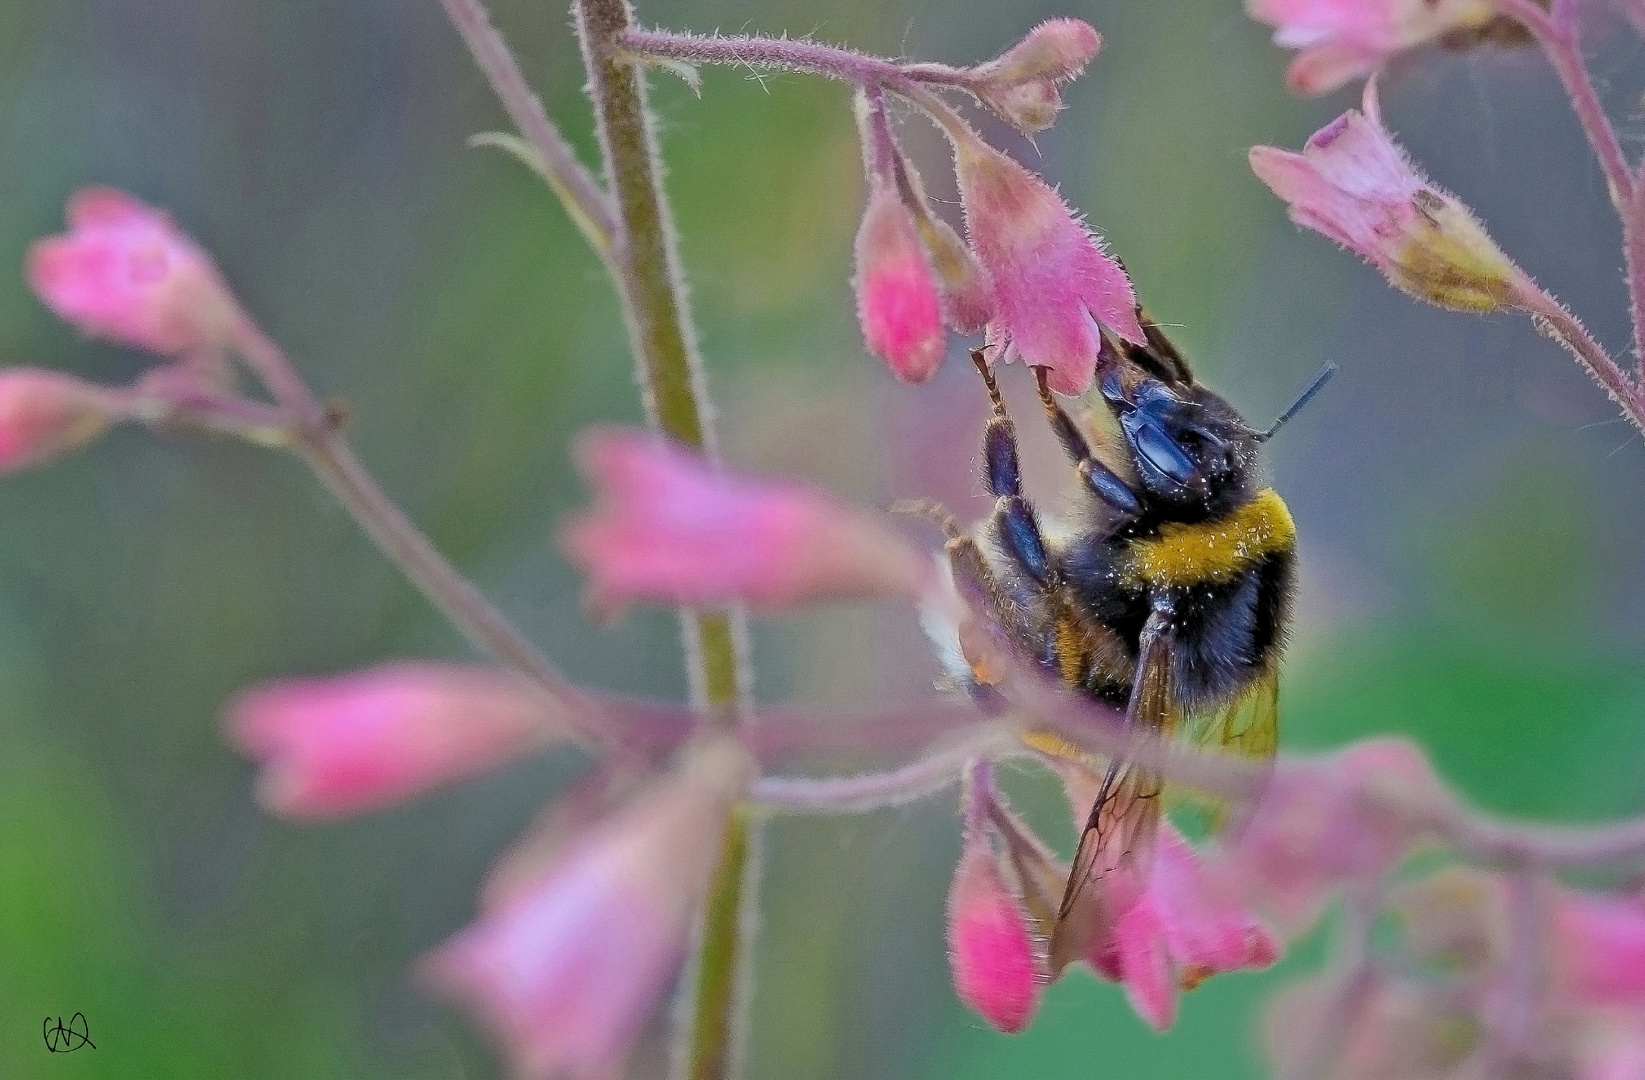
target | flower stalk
x=675, y=396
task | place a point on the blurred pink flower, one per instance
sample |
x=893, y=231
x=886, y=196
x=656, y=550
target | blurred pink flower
x=670, y=528
x=1186, y=927
x=1053, y=284
x=991, y=951
x=1322, y=822
x=125, y=272
x=1598, y=948
x=1354, y=185
x=565, y=973
x=345, y=744
x=1343, y=40
x=1021, y=84
x=1398, y=1032
x=897, y=298
x=45, y=413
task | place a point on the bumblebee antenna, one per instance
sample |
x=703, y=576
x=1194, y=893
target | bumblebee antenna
x=1302, y=399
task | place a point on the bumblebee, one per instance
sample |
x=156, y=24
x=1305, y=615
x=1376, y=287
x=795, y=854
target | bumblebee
x=1169, y=596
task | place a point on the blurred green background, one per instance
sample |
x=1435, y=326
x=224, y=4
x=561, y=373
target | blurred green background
x=1469, y=507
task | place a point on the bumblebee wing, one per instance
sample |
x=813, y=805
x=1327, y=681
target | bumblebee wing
x=1247, y=726
x=1116, y=845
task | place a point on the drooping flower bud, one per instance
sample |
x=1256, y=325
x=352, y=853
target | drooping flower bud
x=1353, y=184
x=125, y=272
x=991, y=949
x=347, y=744
x=967, y=297
x=1053, y=284
x=44, y=414
x=669, y=528
x=566, y=972
x=897, y=297
x=1021, y=84
x=1343, y=40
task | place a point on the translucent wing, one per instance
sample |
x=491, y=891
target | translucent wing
x=1111, y=864
x=1246, y=725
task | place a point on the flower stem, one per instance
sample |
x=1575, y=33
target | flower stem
x=675, y=396
x=787, y=54
x=555, y=160
x=1556, y=322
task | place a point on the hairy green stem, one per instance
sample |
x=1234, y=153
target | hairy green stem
x=676, y=402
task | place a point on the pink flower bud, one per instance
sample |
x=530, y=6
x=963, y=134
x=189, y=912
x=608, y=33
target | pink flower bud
x=1343, y=40
x=566, y=972
x=670, y=528
x=346, y=744
x=1324, y=822
x=125, y=272
x=990, y=950
x=44, y=414
x=1021, y=84
x=1353, y=184
x=1598, y=946
x=897, y=298
x=1053, y=285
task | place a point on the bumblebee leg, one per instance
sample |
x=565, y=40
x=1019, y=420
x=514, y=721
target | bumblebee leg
x=1013, y=519
x=1103, y=481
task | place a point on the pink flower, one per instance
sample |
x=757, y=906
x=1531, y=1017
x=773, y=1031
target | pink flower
x=1598, y=947
x=1186, y=927
x=1353, y=184
x=1324, y=822
x=670, y=528
x=346, y=744
x=45, y=413
x=566, y=973
x=992, y=954
x=897, y=297
x=1053, y=285
x=1399, y=1032
x=1021, y=84
x=1343, y=40
x=125, y=272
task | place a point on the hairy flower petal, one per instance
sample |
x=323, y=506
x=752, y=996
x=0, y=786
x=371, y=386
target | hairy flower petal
x=670, y=528
x=44, y=414
x=990, y=950
x=1342, y=40
x=1353, y=184
x=897, y=291
x=566, y=972
x=346, y=744
x=1053, y=284
x=125, y=272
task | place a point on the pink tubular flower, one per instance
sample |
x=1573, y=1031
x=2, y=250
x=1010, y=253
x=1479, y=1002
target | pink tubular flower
x=897, y=297
x=566, y=972
x=670, y=528
x=1053, y=285
x=1324, y=822
x=1343, y=40
x=1353, y=184
x=992, y=953
x=1021, y=84
x=342, y=745
x=1186, y=927
x=44, y=414
x=125, y=272
x=1598, y=946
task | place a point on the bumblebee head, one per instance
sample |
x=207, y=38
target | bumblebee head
x=1191, y=450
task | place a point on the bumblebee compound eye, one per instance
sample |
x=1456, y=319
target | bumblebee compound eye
x=1162, y=455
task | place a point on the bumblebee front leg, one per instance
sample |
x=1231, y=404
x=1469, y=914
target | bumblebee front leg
x=1104, y=482
x=1013, y=519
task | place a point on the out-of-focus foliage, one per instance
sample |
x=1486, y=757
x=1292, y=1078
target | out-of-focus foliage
x=1469, y=536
